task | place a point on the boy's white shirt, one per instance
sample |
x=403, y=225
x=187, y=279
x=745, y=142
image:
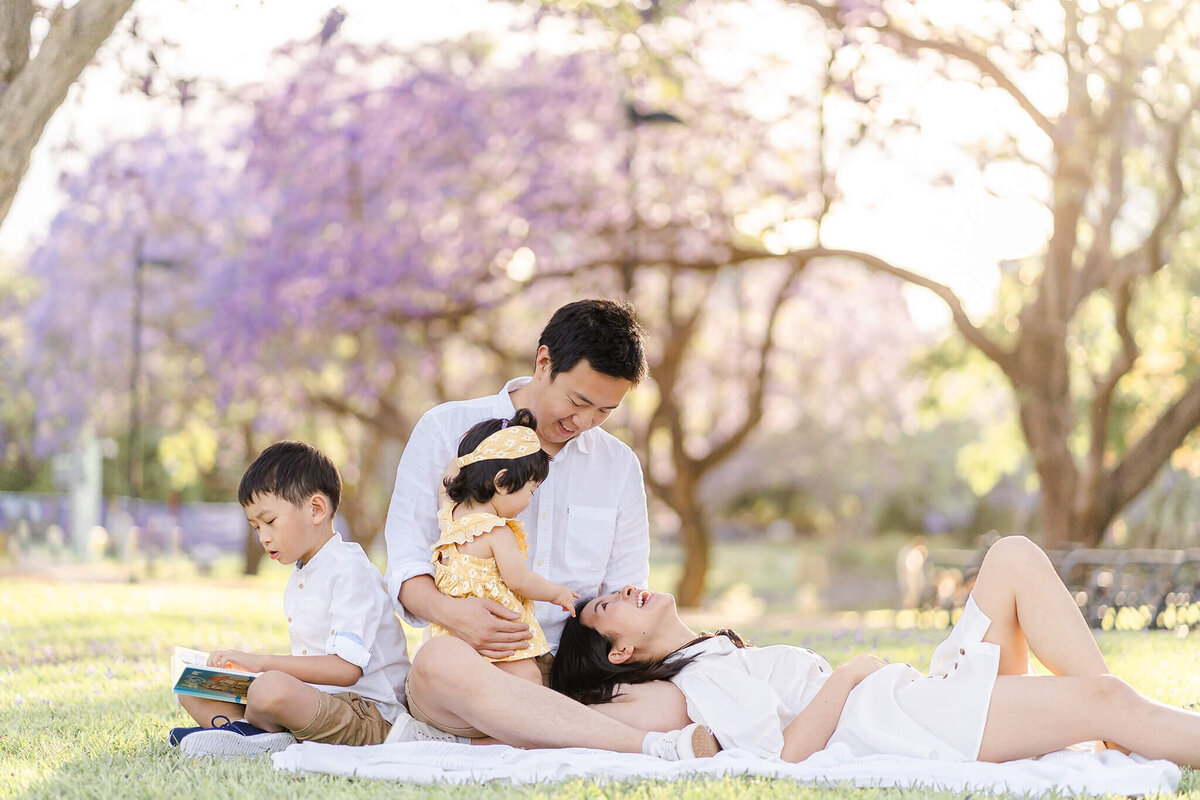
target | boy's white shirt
x=337, y=604
x=587, y=524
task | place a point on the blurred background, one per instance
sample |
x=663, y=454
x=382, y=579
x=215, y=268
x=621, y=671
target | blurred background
x=914, y=271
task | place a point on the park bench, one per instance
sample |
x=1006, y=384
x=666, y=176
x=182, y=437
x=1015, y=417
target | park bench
x=1128, y=589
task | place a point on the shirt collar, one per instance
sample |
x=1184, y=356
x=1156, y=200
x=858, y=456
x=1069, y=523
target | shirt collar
x=322, y=555
x=506, y=409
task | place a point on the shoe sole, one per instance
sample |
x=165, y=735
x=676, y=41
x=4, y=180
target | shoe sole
x=227, y=744
x=704, y=744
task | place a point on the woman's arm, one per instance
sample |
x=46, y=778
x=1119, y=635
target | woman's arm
x=519, y=577
x=810, y=731
x=330, y=670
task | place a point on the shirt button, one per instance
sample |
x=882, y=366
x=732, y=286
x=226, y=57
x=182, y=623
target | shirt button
x=303, y=652
x=289, y=619
x=302, y=586
x=332, y=631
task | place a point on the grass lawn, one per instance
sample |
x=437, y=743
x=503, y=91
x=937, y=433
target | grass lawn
x=85, y=702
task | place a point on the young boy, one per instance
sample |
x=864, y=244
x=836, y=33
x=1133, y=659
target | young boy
x=344, y=681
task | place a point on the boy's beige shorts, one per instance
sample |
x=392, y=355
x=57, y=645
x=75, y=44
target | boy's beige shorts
x=345, y=718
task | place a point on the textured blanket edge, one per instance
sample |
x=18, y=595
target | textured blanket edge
x=451, y=763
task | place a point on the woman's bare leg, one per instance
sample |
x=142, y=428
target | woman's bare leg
x=1031, y=609
x=1032, y=715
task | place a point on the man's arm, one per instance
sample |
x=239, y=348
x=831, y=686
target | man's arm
x=411, y=528
x=492, y=629
x=410, y=533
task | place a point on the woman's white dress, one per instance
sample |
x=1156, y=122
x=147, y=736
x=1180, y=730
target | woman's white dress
x=748, y=696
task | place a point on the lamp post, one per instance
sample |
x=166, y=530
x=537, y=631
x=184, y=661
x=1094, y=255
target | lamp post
x=636, y=119
x=134, y=465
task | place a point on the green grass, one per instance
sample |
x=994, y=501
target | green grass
x=85, y=701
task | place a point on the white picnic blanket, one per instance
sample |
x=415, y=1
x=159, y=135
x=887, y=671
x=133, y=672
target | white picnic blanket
x=1065, y=772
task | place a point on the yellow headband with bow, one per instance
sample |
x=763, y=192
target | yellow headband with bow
x=511, y=442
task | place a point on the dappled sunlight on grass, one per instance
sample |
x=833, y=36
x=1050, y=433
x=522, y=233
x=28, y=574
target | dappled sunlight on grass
x=85, y=702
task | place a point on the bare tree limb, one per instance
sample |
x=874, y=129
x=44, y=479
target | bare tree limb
x=754, y=413
x=832, y=17
x=1145, y=458
x=36, y=91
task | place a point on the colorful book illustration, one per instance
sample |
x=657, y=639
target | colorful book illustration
x=193, y=676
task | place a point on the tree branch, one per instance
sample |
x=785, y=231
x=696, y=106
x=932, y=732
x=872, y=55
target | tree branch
x=832, y=17
x=1143, y=460
x=755, y=412
x=39, y=88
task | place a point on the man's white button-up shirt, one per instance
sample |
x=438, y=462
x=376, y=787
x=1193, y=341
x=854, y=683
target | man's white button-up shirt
x=587, y=524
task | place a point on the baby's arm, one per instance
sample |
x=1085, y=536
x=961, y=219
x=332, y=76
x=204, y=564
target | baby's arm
x=811, y=729
x=331, y=670
x=519, y=577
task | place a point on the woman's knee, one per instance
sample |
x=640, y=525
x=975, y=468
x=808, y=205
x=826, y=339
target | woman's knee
x=1111, y=696
x=1015, y=553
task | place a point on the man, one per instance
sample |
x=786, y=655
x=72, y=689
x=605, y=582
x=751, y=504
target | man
x=587, y=528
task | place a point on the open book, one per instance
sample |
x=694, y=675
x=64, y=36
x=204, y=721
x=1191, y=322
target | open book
x=192, y=675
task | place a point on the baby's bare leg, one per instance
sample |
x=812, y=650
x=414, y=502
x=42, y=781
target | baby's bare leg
x=525, y=668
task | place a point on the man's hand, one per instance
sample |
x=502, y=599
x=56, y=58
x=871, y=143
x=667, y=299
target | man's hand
x=492, y=629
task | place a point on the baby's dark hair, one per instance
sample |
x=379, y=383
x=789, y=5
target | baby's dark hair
x=476, y=482
x=293, y=471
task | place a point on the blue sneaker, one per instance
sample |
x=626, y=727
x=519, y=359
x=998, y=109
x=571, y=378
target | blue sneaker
x=234, y=739
x=177, y=734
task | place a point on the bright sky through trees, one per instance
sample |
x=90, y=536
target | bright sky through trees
x=955, y=233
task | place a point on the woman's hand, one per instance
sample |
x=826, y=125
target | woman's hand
x=861, y=666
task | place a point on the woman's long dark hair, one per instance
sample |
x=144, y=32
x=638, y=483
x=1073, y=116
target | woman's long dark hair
x=581, y=669
x=476, y=481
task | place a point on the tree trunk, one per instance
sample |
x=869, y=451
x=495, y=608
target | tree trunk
x=254, y=552
x=37, y=87
x=693, y=537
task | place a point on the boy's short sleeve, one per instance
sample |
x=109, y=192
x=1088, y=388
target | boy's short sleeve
x=358, y=604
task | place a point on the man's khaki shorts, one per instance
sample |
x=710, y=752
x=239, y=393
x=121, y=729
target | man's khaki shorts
x=414, y=705
x=345, y=718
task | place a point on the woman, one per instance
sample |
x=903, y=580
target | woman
x=979, y=701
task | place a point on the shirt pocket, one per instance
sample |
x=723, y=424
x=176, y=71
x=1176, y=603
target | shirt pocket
x=590, y=534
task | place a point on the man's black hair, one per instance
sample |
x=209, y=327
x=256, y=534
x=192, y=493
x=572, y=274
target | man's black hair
x=476, y=482
x=293, y=471
x=605, y=333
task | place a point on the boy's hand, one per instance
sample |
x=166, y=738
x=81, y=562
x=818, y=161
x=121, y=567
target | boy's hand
x=237, y=659
x=565, y=598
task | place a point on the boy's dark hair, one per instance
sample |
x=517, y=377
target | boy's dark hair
x=293, y=471
x=605, y=333
x=475, y=481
